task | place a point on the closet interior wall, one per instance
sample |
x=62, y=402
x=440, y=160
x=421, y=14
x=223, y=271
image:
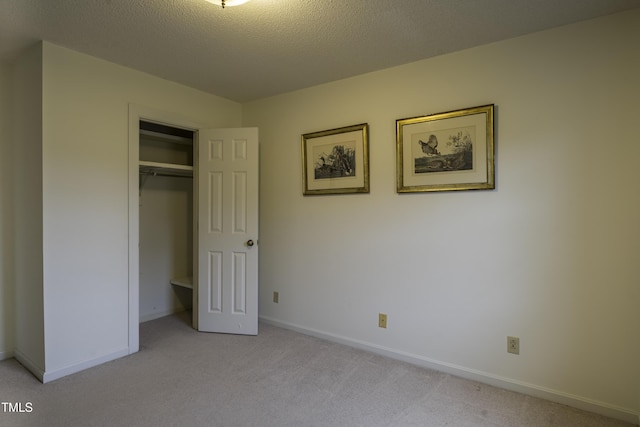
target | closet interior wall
x=166, y=221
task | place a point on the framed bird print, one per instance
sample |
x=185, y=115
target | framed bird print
x=446, y=151
x=336, y=161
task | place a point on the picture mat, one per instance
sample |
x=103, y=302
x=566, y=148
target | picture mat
x=315, y=146
x=415, y=131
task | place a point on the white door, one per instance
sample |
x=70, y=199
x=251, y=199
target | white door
x=227, y=273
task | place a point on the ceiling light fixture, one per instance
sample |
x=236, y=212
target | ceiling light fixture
x=229, y=3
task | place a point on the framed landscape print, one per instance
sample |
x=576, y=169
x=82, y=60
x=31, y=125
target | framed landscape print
x=336, y=161
x=446, y=151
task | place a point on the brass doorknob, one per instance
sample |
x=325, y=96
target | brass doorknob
x=249, y=243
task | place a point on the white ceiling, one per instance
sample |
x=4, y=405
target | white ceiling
x=268, y=47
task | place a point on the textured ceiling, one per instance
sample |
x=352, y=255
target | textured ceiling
x=268, y=47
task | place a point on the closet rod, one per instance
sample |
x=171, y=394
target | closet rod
x=175, y=175
x=146, y=174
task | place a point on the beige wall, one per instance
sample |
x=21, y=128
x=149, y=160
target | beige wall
x=26, y=238
x=80, y=182
x=550, y=256
x=85, y=177
x=7, y=299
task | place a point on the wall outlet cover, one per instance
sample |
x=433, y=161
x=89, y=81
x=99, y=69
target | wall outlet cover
x=513, y=345
x=382, y=320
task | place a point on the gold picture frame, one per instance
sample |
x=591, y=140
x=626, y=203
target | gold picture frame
x=336, y=161
x=446, y=151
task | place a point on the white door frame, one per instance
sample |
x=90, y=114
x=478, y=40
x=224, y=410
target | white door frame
x=137, y=113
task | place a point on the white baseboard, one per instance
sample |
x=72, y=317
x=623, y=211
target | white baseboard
x=68, y=370
x=28, y=363
x=6, y=354
x=471, y=374
x=158, y=314
x=48, y=376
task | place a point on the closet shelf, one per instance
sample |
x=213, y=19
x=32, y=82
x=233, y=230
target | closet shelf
x=165, y=137
x=185, y=282
x=165, y=169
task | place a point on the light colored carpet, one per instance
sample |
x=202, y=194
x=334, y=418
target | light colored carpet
x=279, y=378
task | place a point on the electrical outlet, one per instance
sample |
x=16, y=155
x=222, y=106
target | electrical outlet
x=382, y=320
x=513, y=345
x=276, y=297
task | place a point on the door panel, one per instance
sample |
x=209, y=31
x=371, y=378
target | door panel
x=228, y=231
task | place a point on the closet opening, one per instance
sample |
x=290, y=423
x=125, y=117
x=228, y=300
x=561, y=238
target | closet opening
x=166, y=220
